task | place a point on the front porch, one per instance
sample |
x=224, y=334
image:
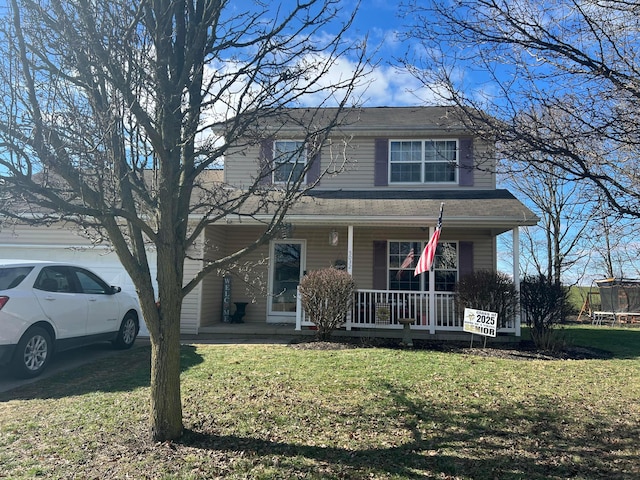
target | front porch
x=433, y=314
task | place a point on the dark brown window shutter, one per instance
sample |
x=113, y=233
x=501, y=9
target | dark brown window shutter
x=266, y=160
x=465, y=258
x=381, y=167
x=466, y=170
x=314, y=169
x=379, y=264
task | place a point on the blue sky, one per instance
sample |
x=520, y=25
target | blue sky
x=379, y=21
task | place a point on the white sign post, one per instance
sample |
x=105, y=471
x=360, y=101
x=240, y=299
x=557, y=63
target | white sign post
x=480, y=322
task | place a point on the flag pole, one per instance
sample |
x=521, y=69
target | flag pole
x=438, y=227
x=425, y=263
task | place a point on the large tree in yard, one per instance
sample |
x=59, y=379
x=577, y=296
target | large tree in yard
x=558, y=82
x=112, y=112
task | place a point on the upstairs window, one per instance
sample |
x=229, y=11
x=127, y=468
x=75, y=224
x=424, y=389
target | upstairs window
x=423, y=161
x=289, y=158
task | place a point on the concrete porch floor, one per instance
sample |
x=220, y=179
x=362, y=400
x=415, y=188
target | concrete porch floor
x=286, y=333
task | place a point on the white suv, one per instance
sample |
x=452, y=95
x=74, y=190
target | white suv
x=47, y=307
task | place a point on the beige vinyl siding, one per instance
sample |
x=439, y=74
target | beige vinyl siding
x=222, y=240
x=355, y=162
x=484, y=177
x=190, y=317
x=484, y=253
x=241, y=166
x=211, y=286
x=250, y=278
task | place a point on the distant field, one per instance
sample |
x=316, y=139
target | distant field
x=578, y=295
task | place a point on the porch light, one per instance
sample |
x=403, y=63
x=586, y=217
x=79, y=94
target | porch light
x=333, y=238
x=286, y=231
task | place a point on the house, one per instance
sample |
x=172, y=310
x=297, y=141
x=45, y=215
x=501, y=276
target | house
x=373, y=219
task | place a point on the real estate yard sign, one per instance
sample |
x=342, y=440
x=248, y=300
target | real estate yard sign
x=480, y=322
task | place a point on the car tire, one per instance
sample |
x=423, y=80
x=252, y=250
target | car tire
x=33, y=353
x=127, y=333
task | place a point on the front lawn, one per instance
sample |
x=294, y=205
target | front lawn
x=276, y=411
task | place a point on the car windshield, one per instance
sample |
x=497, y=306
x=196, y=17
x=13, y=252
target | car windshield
x=11, y=277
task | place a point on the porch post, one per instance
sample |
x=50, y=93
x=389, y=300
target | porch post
x=516, y=274
x=349, y=268
x=350, y=251
x=298, y=310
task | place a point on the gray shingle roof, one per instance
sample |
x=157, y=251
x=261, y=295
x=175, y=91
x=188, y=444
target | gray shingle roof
x=371, y=119
x=494, y=209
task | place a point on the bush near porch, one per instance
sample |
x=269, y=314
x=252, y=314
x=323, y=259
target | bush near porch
x=275, y=411
x=326, y=296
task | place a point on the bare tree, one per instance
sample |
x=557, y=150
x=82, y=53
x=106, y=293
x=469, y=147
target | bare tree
x=559, y=82
x=615, y=250
x=566, y=210
x=113, y=111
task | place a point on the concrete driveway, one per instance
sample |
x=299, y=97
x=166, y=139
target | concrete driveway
x=66, y=361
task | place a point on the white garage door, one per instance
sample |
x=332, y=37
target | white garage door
x=103, y=262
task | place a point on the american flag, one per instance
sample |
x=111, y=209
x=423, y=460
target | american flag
x=426, y=259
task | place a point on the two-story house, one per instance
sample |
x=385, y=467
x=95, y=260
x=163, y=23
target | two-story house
x=374, y=219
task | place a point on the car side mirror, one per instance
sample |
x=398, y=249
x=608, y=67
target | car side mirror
x=115, y=290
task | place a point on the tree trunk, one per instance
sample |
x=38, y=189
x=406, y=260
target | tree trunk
x=166, y=405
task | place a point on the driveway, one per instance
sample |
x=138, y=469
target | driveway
x=66, y=361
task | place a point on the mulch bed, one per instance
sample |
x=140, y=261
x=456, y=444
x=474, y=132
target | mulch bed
x=524, y=350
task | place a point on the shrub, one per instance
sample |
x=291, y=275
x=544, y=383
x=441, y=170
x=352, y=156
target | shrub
x=489, y=291
x=544, y=304
x=326, y=297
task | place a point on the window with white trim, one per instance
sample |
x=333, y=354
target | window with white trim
x=402, y=260
x=403, y=257
x=289, y=158
x=445, y=266
x=423, y=161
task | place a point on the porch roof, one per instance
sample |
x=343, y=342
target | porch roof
x=498, y=209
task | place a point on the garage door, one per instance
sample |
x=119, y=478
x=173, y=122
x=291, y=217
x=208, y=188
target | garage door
x=102, y=261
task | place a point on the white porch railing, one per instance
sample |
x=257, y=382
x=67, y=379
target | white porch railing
x=432, y=312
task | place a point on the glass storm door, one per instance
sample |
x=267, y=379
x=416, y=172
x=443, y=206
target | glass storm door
x=287, y=270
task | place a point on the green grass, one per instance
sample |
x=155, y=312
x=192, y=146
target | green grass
x=274, y=411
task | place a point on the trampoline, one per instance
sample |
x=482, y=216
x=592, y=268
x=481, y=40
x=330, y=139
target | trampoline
x=619, y=301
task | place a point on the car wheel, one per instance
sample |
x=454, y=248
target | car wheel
x=127, y=333
x=33, y=353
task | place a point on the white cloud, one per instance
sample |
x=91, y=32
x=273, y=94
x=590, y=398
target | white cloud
x=395, y=86
x=382, y=86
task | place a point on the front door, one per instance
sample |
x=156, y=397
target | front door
x=287, y=268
